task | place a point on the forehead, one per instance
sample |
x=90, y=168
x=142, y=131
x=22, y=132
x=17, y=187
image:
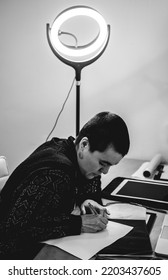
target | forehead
x=110, y=156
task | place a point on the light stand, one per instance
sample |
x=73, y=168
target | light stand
x=77, y=56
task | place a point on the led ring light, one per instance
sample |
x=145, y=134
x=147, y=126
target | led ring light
x=78, y=56
x=73, y=53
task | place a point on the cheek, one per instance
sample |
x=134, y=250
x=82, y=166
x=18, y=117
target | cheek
x=92, y=165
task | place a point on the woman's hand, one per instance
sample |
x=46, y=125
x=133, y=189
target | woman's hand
x=99, y=208
x=93, y=223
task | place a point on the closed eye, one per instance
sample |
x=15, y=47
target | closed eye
x=104, y=163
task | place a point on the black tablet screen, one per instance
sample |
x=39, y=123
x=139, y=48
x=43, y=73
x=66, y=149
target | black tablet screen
x=144, y=190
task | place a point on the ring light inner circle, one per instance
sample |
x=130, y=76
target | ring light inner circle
x=64, y=16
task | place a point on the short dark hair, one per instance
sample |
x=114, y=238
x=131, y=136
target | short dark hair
x=106, y=129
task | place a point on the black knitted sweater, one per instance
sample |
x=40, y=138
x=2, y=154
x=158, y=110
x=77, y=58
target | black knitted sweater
x=38, y=198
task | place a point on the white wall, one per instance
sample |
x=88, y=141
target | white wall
x=130, y=78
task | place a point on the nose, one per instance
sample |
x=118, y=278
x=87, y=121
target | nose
x=105, y=169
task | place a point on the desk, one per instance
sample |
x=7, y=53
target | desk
x=125, y=168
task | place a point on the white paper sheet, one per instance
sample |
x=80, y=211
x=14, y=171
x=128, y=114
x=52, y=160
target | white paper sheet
x=86, y=245
x=126, y=211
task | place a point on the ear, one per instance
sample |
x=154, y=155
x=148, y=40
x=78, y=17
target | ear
x=84, y=143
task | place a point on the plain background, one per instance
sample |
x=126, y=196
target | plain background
x=130, y=78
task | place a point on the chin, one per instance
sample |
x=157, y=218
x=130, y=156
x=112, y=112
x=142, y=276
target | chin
x=91, y=176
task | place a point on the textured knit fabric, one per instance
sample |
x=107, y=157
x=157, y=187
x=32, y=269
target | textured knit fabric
x=38, y=198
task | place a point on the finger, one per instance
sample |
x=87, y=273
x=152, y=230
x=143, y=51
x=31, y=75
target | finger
x=83, y=210
x=103, y=219
x=104, y=212
x=101, y=226
x=107, y=212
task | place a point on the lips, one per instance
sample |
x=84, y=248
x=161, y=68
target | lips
x=95, y=174
x=92, y=175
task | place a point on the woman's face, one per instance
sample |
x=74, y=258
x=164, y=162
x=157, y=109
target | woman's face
x=93, y=164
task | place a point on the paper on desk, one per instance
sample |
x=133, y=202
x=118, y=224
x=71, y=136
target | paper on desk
x=126, y=211
x=86, y=245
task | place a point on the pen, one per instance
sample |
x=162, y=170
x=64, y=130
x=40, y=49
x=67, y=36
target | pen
x=93, y=210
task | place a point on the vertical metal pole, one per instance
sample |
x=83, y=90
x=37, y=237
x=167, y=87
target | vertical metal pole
x=77, y=107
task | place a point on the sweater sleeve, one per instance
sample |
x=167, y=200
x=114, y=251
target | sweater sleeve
x=41, y=208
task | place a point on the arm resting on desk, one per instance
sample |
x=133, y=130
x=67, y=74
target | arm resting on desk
x=36, y=211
